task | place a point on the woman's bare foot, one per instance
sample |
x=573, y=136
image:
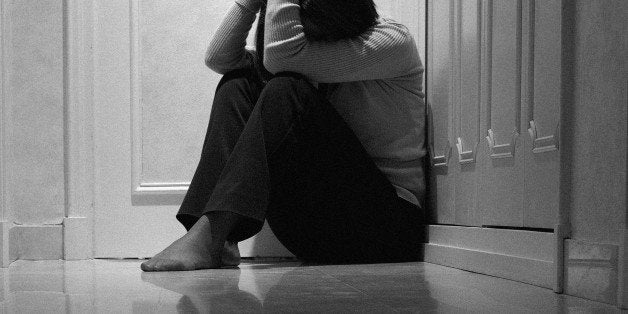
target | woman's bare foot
x=194, y=251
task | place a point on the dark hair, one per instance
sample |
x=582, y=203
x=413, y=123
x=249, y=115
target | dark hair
x=331, y=20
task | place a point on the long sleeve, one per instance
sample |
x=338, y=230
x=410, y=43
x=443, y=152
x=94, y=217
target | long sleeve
x=226, y=50
x=385, y=51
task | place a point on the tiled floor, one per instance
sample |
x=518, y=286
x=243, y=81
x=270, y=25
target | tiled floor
x=109, y=286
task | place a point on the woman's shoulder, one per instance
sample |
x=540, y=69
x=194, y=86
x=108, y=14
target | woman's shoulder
x=392, y=24
x=392, y=32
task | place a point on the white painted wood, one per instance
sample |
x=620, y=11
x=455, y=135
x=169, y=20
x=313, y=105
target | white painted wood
x=467, y=94
x=78, y=108
x=541, y=91
x=524, y=256
x=518, y=243
x=561, y=233
x=167, y=80
x=40, y=242
x=4, y=243
x=138, y=182
x=79, y=145
x=544, y=110
x=77, y=238
x=482, y=73
x=534, y=272
x=469, y=77
x=120, y=229
x=33, y=86
x=440, y=100
x=501, y=186
x=33, y=138
x=505, y=105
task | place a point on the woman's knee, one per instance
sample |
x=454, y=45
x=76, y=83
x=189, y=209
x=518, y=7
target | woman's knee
x=288, y=93
x=289, y=83
x=235, y=92
x=232, y=85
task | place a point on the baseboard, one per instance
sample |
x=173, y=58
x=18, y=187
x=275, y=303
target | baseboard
x=41, y=242
x=77, y=239
x=70, y=241
x=592, y=270
x=519, y=255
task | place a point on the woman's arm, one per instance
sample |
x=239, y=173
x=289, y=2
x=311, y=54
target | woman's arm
x=385, y=51
x=226, y=51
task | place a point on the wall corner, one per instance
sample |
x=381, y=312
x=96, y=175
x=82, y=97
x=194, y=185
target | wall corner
x=77, y=239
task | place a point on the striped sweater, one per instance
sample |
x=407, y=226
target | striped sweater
x=374, y=81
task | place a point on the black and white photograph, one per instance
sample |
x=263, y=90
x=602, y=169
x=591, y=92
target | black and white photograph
x=313, y=156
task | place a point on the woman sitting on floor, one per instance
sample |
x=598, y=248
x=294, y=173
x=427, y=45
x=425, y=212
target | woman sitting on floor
x=320, y=132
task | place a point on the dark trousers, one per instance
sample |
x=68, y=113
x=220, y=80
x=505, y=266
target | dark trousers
x=280, y=152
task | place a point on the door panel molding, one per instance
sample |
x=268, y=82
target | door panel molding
x=468, y=65
x=542, y=48
x=503, y=150
x=543, y=144
x=440, y=104
x=141, y=191
x=441, y=73
x=544, y=82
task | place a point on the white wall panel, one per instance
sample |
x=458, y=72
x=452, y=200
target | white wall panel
x=172, y=91
x=440, y=100
x=152, y=99
x=485, y=84
x=502, y=177
x=542, y=84
x=467, y=95
x=33, y=100
x=176, y=89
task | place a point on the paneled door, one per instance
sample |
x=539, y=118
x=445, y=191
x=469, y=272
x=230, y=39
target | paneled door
x=152, y=99
x=152, y=96
x=494, y=82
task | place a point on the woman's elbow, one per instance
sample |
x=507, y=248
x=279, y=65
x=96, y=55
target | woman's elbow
x=214, y=64
x=211, y=61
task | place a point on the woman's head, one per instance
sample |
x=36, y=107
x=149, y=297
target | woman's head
x=331, y=20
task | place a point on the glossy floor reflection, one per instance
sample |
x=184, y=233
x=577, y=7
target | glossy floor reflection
x=110, y=286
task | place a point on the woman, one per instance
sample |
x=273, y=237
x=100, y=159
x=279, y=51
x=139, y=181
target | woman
x=336, y=169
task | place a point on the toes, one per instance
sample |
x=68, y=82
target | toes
x=169, y=265
x=147, y=266
x=160, y=265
